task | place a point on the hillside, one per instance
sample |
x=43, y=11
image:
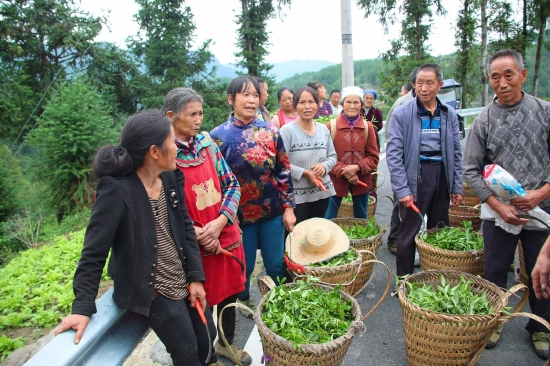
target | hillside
x=367, y=74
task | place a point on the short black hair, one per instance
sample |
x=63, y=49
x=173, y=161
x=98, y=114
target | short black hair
x=518, y=59
x=335, y=91
x=296, y=97
x=315, y=84
x=433, y=67
x=280, y=92
x=240, y=84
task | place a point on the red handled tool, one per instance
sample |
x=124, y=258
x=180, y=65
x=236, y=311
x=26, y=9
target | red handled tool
x=320, y=184
x=415, y=209
x=362, y=184
x=198, y=306
x=231, y=255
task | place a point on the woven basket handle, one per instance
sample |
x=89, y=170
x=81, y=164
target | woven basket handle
x=383, y=179
x=513, y=291
x=384, y=229
x=220, y=327
x=385, y=291
x=372, y=273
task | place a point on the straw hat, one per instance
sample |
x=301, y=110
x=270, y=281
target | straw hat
x=316, y=240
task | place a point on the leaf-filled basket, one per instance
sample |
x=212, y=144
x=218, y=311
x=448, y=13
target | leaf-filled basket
x=432, y=257
x=368, y=247
x=435, y=338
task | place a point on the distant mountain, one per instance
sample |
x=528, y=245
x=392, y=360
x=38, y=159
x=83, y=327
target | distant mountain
x=222, y=70
x=281, y=70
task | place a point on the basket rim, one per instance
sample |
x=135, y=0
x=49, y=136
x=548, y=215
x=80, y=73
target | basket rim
x=497, y=306
x=353, y=263
x=312, y=348
x=457, y=253
x=354, y=220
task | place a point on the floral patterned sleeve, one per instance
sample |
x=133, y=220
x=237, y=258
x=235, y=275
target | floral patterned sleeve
x=377, y=120
x=230, y=187
x=282, y=174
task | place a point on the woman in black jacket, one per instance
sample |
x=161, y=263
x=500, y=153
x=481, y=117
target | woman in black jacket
x=140, y=214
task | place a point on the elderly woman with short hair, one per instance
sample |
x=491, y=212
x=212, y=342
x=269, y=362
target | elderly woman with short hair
x=212, y=195
x=371, y=114
x=357, y=154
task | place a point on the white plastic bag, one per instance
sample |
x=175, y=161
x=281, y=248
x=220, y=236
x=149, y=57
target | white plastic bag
x=506, y=187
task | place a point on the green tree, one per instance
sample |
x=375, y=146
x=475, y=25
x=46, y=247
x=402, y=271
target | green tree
x=115, y=73
x=11, y=184
x=468, y=52
x=542, y=11
x=415, y=32
x=165, y=46
x=38, y=40
x=75, y=123
x=253, y=38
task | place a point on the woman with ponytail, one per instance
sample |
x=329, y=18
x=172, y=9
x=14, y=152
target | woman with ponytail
x=141, y=216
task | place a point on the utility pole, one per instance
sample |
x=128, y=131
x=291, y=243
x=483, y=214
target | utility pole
x=347, y=46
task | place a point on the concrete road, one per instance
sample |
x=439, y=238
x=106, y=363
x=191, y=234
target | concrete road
x=383, y=343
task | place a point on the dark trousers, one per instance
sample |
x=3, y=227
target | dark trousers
x=181, y=330
x=500, y=247
x=395, y=221
x=228, y=320
x=432, y=199
x=308, y=210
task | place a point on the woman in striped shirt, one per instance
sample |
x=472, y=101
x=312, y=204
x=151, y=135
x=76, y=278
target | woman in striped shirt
x=141, y=217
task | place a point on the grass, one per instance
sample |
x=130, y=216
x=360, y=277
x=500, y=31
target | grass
x=36, y=290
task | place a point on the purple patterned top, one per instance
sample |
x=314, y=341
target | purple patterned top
x=324, y=110
x=257, y=156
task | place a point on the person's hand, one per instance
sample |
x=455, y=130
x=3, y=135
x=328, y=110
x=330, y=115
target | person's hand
x=350, y=170
x=354, y=179
x=310, y=175
x=318, y=169
x=289, y=220
x=196, y=291
x=541, y=273
x=406, y=201
x=208, y=235
x=456, y=199
x=506, y=212
x=77, y=322
x=531, y=200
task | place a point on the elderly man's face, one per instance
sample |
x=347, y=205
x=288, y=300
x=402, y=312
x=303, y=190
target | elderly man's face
x=506, y=80
x=335, y=98
x=427, y=86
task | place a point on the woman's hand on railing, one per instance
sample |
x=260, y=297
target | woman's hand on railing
x=75, y=321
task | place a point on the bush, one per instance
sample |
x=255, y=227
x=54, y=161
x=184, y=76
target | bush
x=75, y=123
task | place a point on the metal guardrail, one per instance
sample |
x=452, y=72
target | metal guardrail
x=109, y=339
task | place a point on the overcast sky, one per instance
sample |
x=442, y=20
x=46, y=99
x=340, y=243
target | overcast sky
x=310, y=30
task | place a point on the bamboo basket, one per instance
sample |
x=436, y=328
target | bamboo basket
x=457, y=214
x=433, y=338
x=280, y=352
x=436, y=258
x=329, y=275
x=470, y=198
x=369, y=249
x=346, y=208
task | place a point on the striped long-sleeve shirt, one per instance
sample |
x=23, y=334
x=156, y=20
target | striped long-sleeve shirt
x=231, y=193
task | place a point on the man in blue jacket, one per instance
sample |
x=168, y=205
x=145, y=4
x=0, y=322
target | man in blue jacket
x=425, y=162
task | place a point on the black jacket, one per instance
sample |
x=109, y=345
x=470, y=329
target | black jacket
x=122, y=219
